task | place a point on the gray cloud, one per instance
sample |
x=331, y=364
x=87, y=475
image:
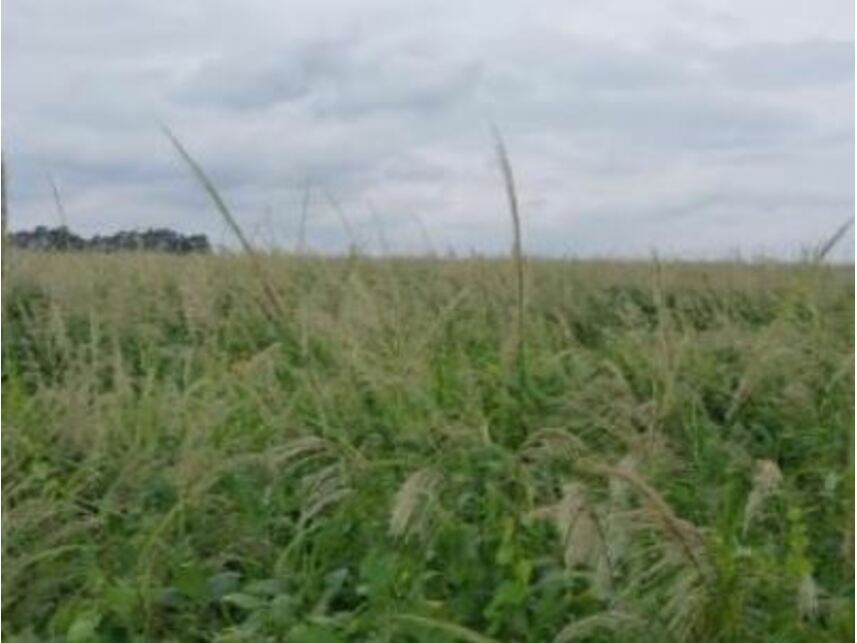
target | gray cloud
x=260, y=79
x=696, y=127
x=233, y=84
x=813, y=63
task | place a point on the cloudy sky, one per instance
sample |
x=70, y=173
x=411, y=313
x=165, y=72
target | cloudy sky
x=699, y=128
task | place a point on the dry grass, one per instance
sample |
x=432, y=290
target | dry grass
x=178, y=467
x=410, y=502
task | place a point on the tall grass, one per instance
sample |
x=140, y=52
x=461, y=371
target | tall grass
x=517, y=251
x=177, y=467
x=350, y=461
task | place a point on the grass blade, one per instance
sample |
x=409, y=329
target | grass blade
x=55, y=190
x=210, y=189
x=343, y=219
x=459, y=631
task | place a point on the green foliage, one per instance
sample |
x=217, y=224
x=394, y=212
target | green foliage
x=677, y=464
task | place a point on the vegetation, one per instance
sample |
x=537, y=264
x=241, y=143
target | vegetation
x=63, y=239
x=284, y=448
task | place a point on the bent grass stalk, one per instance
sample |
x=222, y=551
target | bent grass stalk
x=825, y=248
x=274, y=302
x=58, y=202
x=303, y=218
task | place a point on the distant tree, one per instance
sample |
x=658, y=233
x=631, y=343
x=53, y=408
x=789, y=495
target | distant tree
x=152, y=240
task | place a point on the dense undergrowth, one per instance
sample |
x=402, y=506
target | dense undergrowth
x=369, y=461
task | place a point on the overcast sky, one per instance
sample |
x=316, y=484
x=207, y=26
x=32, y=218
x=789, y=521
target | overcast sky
x=698, y=128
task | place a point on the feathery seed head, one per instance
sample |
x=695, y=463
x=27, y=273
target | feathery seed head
x=418, y=489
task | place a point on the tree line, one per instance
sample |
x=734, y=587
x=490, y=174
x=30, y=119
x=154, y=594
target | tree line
x=156, y=240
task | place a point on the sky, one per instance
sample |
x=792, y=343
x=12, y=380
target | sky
x=691, y=128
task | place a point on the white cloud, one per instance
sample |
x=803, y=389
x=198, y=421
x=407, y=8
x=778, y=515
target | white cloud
x=694, y=127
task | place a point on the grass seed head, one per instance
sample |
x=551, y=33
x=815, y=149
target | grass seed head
x=766, y=480
x=807, y=597
x=420, y=488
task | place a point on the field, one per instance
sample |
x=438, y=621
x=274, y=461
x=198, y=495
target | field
x=282, y=448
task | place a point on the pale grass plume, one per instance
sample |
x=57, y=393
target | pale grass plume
x=320, y=501
x=683, y=609
x=676, y=556
x=683, y=539
x=410, y=501
x=262, y=361
x=574, y=518
x=617, y=521
x=324, y=482
x=619, y=487
x=807, y=597
x=575, y=522
x=302, y=448
x=320, y=488
x=614, y=621
x=765, y=357
x=551, y=443
x=200, y=467
x=765, y=483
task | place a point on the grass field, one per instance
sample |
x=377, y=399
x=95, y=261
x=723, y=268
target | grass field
x=223, y=448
